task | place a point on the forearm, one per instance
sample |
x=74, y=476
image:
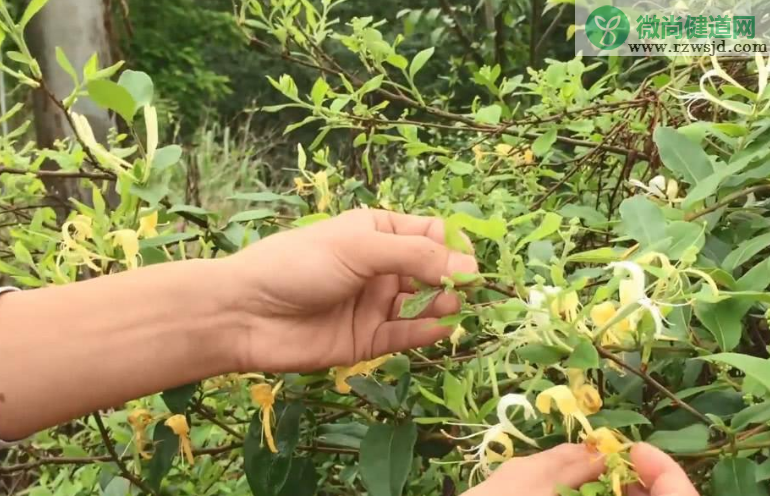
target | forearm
x=69, y=350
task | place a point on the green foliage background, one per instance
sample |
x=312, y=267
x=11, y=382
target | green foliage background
x=478, y=114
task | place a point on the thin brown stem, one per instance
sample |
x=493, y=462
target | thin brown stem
x=124, y=471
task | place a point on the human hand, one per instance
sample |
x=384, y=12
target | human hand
x=570, y=465
x=659, y=473
x=330, y=293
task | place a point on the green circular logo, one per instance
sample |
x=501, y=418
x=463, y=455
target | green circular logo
x=607, y=27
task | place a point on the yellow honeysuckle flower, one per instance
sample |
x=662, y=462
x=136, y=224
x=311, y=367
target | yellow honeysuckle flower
x=588, y=399
x=128, y=241
x=321, y=183
x=139, y=420
x=301, y=186
x=74, y=233
x=456, y=336
x=478, y=154
x=567, y=405
x=264, y=396
x=342, y=374
x=529, y=157
x=148, y=226
x=605, y=441
x=178, y=424
x=633, y=291
x=601, y=315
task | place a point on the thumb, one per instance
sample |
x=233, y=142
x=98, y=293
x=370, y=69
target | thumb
x=659, y=473
x=411, y=256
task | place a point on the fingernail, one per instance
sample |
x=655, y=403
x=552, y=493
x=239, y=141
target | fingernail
x=459, y=262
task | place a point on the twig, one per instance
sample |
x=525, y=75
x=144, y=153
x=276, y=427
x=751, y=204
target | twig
x=127, y=474
x=652, y=382
x=727, y=200
x=58, y=174
x=460, y=32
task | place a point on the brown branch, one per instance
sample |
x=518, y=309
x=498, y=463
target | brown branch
x=58, y=174
x=457, y=27
x=727, y=200
x=88, y=460
x=127, y=474
x=652, y=382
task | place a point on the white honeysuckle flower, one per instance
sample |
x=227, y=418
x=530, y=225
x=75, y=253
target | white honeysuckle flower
x=633, y=291
x=86, y=135
x=539, y=304
x=658, y=187
x=719, y=73
x=499, y=433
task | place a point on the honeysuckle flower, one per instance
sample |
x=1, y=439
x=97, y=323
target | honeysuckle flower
x=74, y=234
x=633, y=291
x=365, y=368
x=148, y=226
x=605, y=441
x=264, y=396
x=542, y=305
x=86, y=135
x=500, y=434
x=128, y=241
x=588, y=399
x=139, y=420
x=601, y=314
x=566, y=404
x=458, y=333
x=178, y=424
x=659, y=188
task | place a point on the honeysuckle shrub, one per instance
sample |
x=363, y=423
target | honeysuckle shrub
x=617, y=209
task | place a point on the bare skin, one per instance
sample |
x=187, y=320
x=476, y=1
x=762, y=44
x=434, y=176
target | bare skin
x=303, y=300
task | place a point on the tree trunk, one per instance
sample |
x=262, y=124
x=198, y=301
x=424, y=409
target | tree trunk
x=78, y=28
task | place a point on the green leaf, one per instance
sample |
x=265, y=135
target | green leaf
x=710, y=185
x=489, y=115
x=267, y=473
x=382, y=395
x=166, y=157
x=685, y=236
x=419, y=61
x=386, y=458
x=415, y=305
x=178, y=398
x=139, y=85
x=32, y=9
x=643, y=220
x=688, y=440
x=541, y=354
x=551, y=223
x=723, y=321
x=617, y=419
x=755, y=414
x=166, y=445
x=113, y=97
x=167, y=239
x=736, y=477
x=681, y=156
x=189, y=209
x=544, y=142
x=65, y=64
x=319, y=91
x=756, y=368
x=494, y=229
x=454, y=394
x=745, y=251
x=460, y=168
x=584, y=356
x=251, y=215
x=302, y=480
